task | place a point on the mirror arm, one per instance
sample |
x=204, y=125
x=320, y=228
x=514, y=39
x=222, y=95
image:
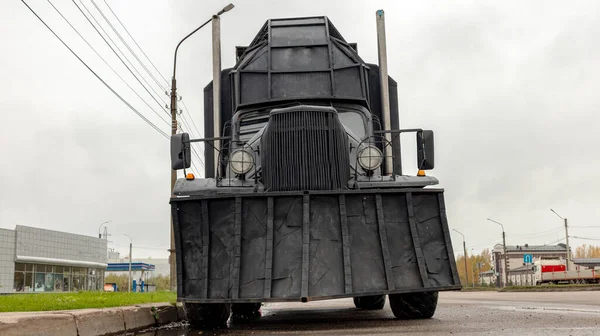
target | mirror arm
x=207, y=139
x=407, y=130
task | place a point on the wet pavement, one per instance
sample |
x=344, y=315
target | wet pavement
x=458, y=313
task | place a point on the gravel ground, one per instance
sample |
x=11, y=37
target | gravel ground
x=458, y=313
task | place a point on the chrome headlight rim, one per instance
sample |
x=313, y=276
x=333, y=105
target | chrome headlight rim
x=378, y=156
x=243, y=165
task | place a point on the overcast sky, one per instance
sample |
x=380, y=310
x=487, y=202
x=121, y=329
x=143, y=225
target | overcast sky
x=510, y=89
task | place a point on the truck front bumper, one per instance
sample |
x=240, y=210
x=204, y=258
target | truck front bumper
x=303, y=246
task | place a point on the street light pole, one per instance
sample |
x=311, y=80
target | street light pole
x=465, y=248
x=473, y=273
x=505, y=275
x=566, y=238
x=172, y=273
x=100, y=227
x=130, y=243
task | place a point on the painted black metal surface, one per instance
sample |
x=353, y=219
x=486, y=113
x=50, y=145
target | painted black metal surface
x=293, y=60
x=298, y=247
x=298, y=58
x=305, y=148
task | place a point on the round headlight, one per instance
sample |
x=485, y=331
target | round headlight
x=241, y=161
x=370, y=158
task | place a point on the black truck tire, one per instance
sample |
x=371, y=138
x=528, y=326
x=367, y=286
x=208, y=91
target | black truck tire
x=414, y=305
x=245, y=311
x=374, y=302
x=207, y=315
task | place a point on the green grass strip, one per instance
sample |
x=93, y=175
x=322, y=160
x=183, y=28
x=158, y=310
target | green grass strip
x=79, y=300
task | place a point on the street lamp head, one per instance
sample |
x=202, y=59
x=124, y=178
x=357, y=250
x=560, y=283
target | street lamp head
x=493, y=221
x=556, y=214
x=459, y=233
x=226, y=9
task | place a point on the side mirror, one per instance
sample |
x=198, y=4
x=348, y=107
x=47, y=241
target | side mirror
x=425, y=152
x=181, y=157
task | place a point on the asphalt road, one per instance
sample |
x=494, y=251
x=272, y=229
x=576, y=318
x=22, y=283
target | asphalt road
x=458, y=313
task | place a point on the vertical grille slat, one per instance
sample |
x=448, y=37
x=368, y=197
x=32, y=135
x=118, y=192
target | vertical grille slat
x=305, y=148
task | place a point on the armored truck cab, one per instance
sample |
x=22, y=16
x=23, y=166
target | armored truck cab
x=307, y=199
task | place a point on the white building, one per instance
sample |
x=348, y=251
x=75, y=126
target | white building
x=516, y=260
x=41, y=260
x=161, y=264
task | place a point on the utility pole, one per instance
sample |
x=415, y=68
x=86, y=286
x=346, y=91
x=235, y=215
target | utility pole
x=566, y=238
x=473, y=273
x=172, y=257
x=130, y=244
x=172, y=270
x=505, y=273
x=465, y=249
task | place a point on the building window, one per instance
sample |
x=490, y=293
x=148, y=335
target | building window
x=51, y=278
x=23, y=278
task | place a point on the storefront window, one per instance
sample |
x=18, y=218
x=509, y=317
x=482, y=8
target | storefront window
x=19, y=267
x=38, y=285
x=77, y=285
x=28, y=282
x=48, y=282
x=66, y=279
x=58, y=282
x=52, y=278
x=19, y=282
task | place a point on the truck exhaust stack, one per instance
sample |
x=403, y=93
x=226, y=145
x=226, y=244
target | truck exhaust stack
x=385, y=92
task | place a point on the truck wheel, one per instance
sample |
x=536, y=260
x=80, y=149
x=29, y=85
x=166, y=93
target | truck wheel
x=207, y=315
x=374, y=302
x=245, y=311
x=414, y=305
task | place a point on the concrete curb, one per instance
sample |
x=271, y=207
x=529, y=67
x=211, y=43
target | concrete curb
x=89, y=322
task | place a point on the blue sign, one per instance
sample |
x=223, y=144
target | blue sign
x=528, y=258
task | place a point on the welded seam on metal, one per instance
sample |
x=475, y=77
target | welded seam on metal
x=345, y=245
x=384, y=244
x=445, y=228
x=205, y=248
x=269, y=254
x=237, y=249
x=305, y=243
x=415, y=238
x=176, y=232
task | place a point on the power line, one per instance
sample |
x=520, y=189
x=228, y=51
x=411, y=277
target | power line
x=554, y=242
x=113, y=50
x=149, y=60
x=584, y=238
x=105, y=62
x=195, y=153
x=147, y=57
x=540, y=234
x=200, y=148
x=200, y=134
x=186, y=124
x=126, y=44
x=134, y=41
x=99, y=78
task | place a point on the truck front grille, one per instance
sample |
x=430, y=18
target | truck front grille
x=304, y=148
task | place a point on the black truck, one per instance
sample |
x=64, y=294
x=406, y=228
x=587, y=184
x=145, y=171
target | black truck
x=307, y=199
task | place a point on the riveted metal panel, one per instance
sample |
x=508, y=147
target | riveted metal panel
x=299, y=247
